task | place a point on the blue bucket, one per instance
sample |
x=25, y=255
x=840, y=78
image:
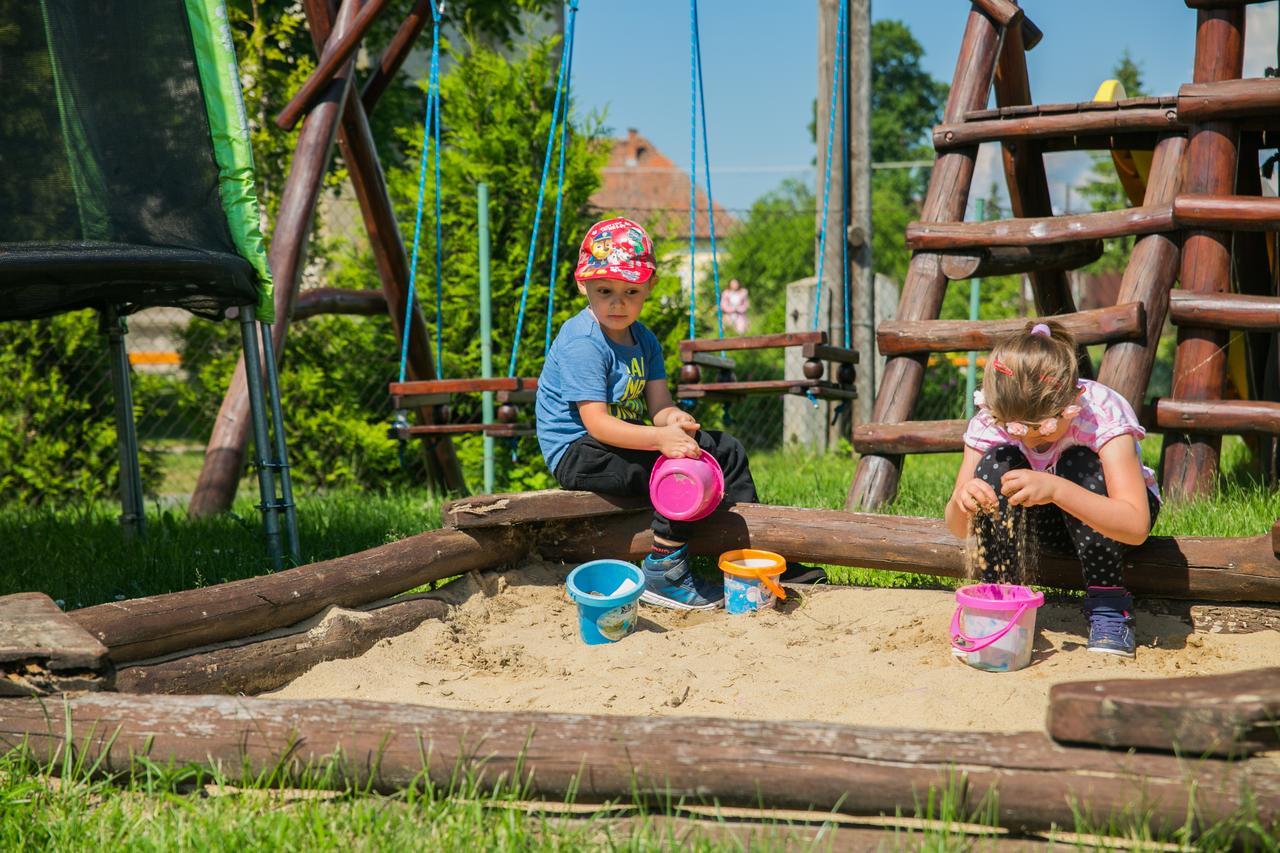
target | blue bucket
x=606, y=592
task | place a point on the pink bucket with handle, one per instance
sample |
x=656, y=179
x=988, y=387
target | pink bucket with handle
x=686, y=489
x=994, y=625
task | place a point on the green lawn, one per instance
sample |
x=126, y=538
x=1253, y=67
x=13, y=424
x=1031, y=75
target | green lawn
x=78, y=556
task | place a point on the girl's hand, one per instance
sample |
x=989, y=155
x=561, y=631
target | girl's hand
x=674, y=442
x=975, y=495
x=1029, y=488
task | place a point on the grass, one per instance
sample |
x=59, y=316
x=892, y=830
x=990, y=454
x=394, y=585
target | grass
x=78, y=556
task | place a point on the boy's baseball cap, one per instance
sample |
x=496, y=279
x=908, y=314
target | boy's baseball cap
x=617, y=249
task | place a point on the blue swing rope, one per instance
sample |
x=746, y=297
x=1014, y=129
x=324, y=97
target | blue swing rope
x=433, y=113
x=847, y=191
x=693, y=167
x=836, y=67
x=542, y=185
x=706, y=159
x=555, y=233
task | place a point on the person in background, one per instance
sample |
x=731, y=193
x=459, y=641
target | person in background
x=734, y=303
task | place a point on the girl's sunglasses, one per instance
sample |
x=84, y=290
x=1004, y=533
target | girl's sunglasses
x=1048, y=426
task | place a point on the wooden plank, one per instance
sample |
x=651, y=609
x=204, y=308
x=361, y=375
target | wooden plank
x=33, y=628
x=606, y=758
x=782, y=339
x=1225, y=311
x=1056, y=125
x=457, y=386
x=826, y=352
x=1231, y=98
x=706, y=359
x=802, y=387
x=1230, y=715
x=1015, y=260
x=157, y=625
x=525, y=507
x=496, y=430
x=950, y=236
x=1232, y=417
x=910, y=437
x=315, y=301
x=1190, y=461
x=876, y=477
x=336, y=53
x=1221, y=4
x=256, y=665
x=1228, y=212
x=1148, y=278
x=1096, y=326
x=417, y=401
x=518, y=398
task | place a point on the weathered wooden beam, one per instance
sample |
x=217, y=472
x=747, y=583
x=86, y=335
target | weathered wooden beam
x=910, y=437
x=1209, y=568
x=1008, y=14
x=524, y=507
x=258, y=664
x=950, y=236
x=826, y=352
x=402, y=43
x=1190, y=461
x=1228, y=212
x=781, y=339
x=1100, y=123
x=1225, y=311
x=496, y=430
x=1015, y=260
x=816, y=387
x=876, y=478
x=1230, y=417
x=706, y=359
x=1148, y=278
x=605, y=758
x=1230, y=715
x=457, y=386
x=1230, y=97
x=1099, y=325
x=223, y=465
x=42, y=651
x=339, y=300
x=157, y=625
x=336, y=53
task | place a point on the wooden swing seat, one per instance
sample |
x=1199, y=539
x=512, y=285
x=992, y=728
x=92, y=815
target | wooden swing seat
x=814, y=346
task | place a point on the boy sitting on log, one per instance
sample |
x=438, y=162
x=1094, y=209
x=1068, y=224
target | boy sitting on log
x=604, y=371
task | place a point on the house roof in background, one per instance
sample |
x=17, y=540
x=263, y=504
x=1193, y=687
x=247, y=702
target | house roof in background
x=642, y=183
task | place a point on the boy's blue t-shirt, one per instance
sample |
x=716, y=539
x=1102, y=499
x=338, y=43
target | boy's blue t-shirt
x=585, y=366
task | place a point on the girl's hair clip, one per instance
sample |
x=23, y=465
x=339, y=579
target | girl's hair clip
x=1001, y=367
x=1042, y=329
x=979, y=400
x=1016, y=429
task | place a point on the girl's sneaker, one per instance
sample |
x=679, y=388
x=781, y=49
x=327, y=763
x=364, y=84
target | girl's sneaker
x=670, y=583
x=1110, y=613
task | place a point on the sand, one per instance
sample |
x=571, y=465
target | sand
x=837, y=654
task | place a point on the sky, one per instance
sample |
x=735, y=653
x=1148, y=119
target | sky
x=760, y=65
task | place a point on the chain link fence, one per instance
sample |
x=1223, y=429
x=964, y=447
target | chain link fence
x=179, y=364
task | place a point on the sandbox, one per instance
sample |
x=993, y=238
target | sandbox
x=834, y=654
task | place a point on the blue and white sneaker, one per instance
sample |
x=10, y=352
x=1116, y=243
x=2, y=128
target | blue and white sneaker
x=1110, y=612
x=670, y=583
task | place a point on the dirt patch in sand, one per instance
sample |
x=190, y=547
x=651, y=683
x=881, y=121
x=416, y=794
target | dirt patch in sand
x=836, y=654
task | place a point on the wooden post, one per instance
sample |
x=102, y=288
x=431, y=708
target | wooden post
x=862, y=283
x=224, y=456
x=1152, y=270
x=1027, y=183
x=1191, y=462
x=876, y=478
x=832, y=283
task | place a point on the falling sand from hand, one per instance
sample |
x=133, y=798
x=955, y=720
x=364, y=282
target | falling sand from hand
x=878, y=657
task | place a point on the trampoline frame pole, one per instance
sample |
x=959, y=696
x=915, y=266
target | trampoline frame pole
x=261, y=440
x=133, y=516
x=281, y=451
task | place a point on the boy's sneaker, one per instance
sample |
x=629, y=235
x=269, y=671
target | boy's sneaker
x=800, y=573
x=670, y=583
x=1109, y=610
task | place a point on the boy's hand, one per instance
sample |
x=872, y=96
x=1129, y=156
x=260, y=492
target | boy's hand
x=682, y=419
x=675, y=443
x=975, y=495
x=1028, y=488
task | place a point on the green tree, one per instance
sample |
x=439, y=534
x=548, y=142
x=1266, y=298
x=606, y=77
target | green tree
x=1103, y=190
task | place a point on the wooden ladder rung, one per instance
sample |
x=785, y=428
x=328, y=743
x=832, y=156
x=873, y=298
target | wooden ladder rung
x=1016, y=260
x=1228, y=99
x=1127, y=322
x=910, y=437
x=1022, y=110
x=1225, y=311
x=801, y=387
x=1081, y=122
x=1228, y=212
x=950, y=236
x=1231, y=417
x=782, y=339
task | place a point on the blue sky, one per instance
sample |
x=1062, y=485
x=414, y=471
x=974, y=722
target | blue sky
x=760, y=62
